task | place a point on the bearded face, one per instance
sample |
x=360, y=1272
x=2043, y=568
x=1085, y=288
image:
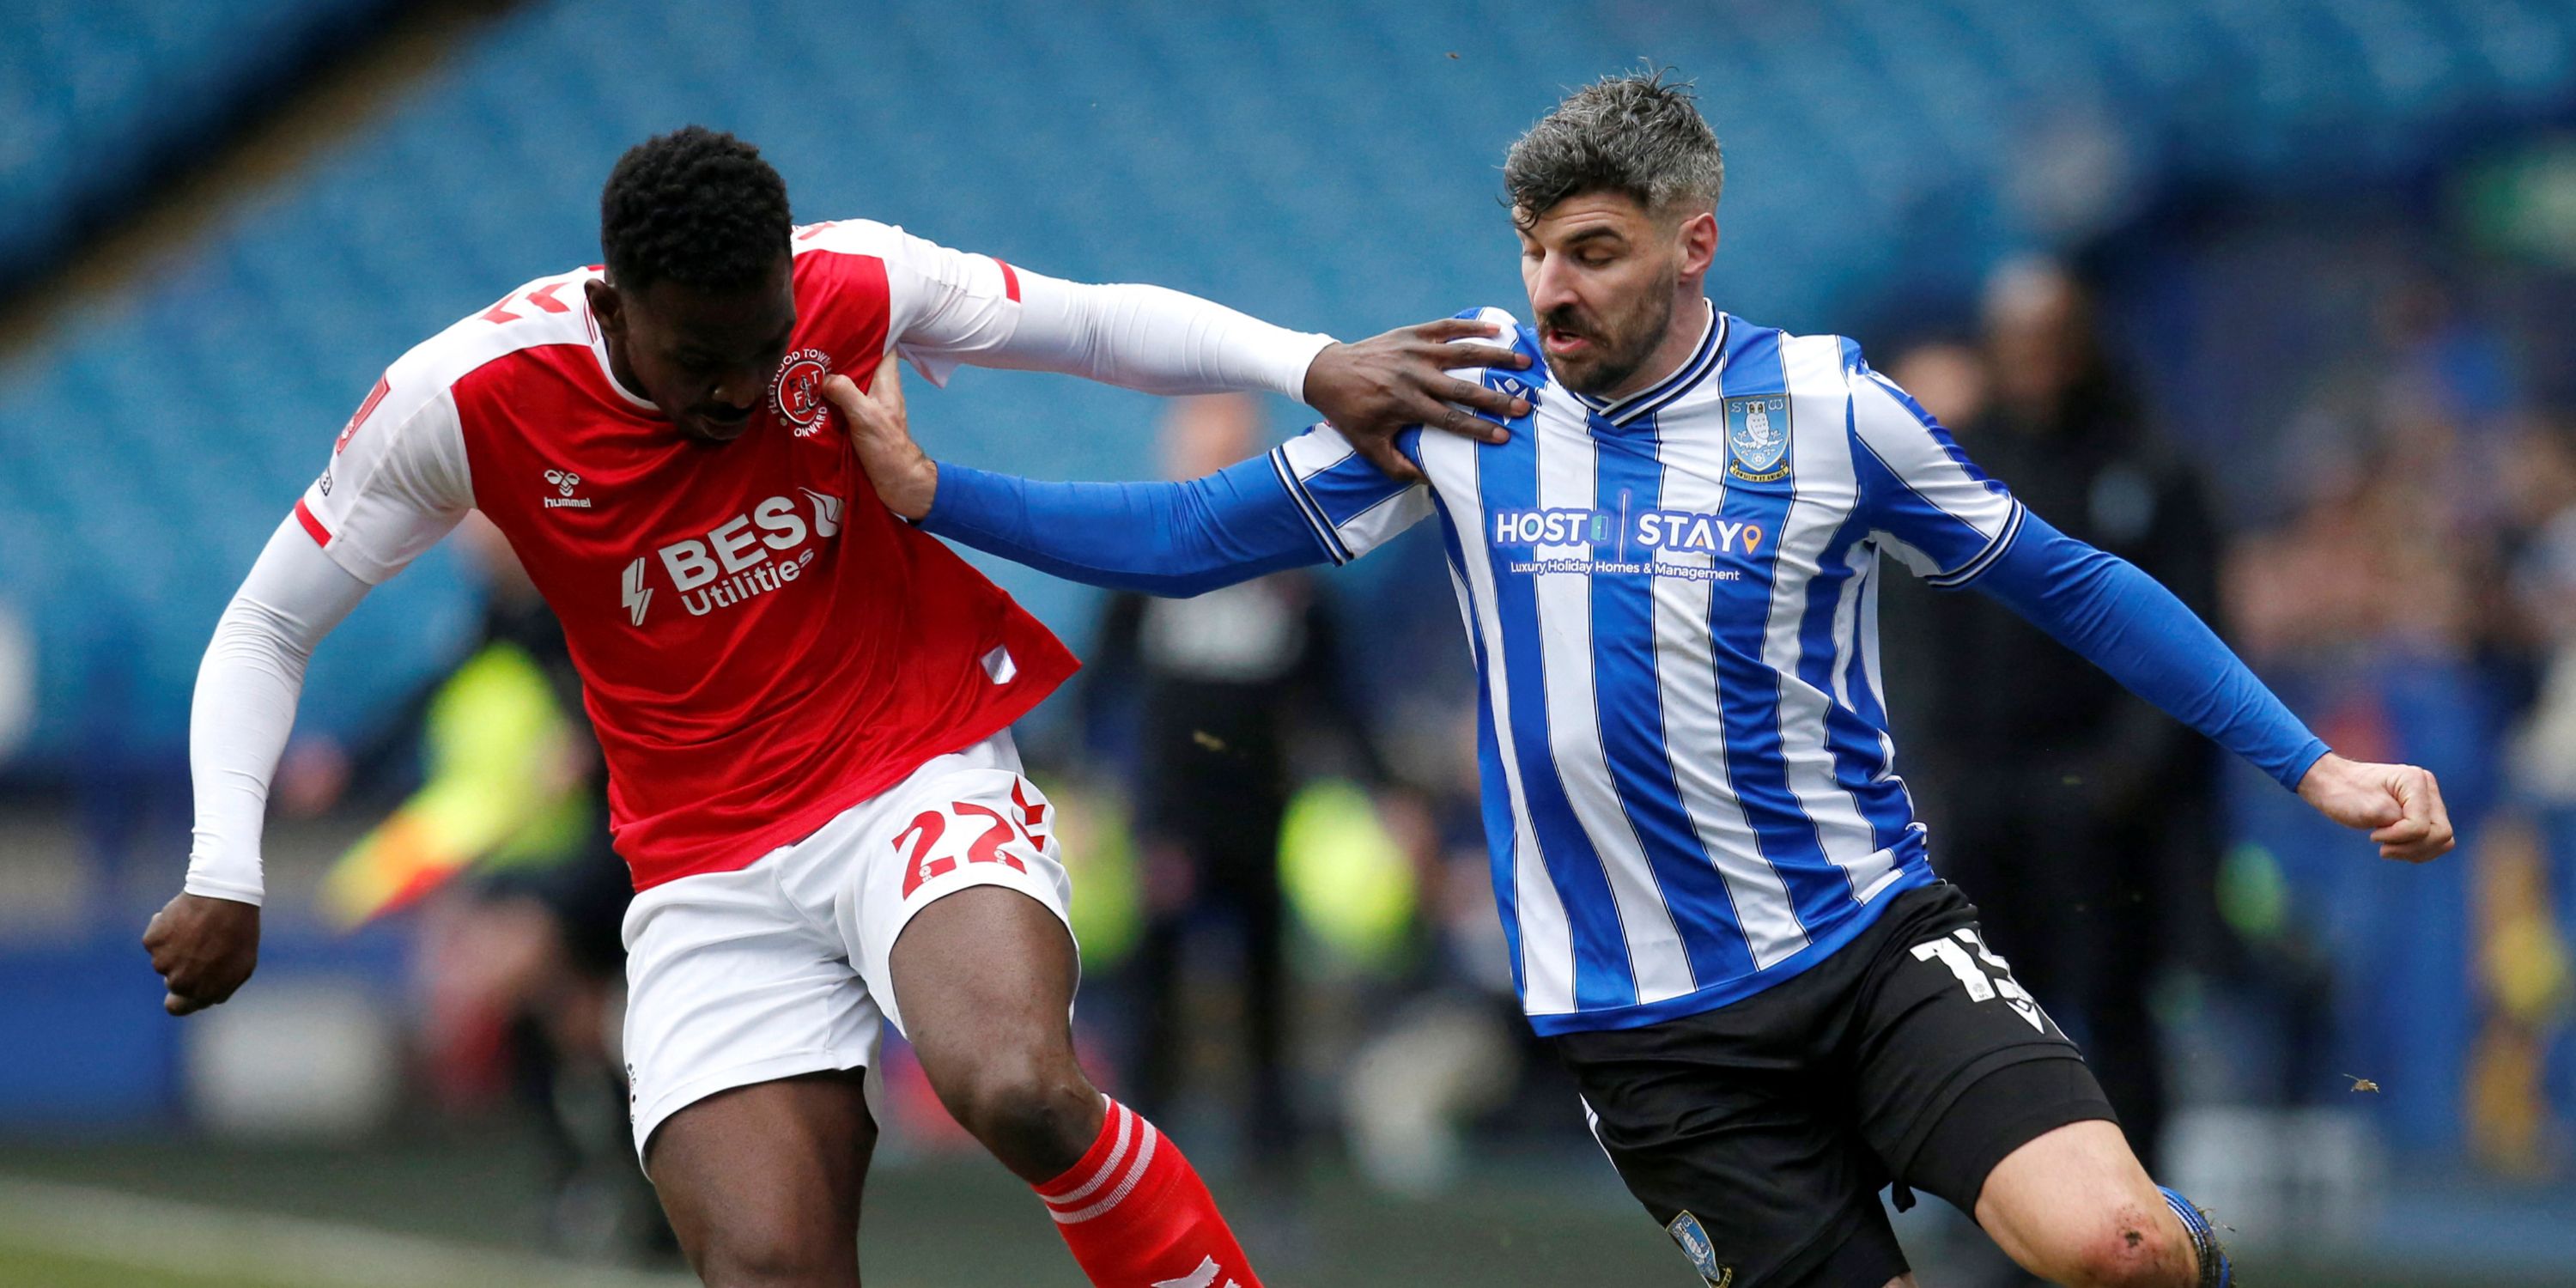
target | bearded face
x=1604, y=275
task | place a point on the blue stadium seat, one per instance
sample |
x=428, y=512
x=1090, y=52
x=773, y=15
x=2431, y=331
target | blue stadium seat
x=98, y=95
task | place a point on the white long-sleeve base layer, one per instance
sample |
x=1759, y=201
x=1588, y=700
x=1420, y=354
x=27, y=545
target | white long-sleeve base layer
x=245, y=704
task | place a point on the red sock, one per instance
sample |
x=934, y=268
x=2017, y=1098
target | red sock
x=1137, y=1216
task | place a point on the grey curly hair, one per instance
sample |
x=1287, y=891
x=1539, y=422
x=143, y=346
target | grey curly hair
x=1638, y=134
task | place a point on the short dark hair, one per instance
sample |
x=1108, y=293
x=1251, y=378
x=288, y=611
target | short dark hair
x=1638, y=134
x=695, y=206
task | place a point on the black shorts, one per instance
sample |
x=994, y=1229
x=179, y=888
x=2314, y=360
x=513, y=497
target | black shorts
x=1760, y=1133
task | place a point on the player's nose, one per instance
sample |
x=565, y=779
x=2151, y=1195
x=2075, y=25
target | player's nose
x=740, y=390
x=1551, y=286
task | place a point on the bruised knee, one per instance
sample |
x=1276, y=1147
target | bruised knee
x=2130, y=1247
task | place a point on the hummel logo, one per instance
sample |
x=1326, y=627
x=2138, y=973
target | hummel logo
x=565, y=481
x=1202, y=1277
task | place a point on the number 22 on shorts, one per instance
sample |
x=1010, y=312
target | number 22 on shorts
x=923, y=835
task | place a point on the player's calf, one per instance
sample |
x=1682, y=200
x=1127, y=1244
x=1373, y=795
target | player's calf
x=985, y=977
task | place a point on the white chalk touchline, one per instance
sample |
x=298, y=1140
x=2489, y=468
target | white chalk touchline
x=196, y=1238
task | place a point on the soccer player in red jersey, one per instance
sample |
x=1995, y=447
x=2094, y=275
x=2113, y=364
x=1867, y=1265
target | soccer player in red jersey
x=803, y=702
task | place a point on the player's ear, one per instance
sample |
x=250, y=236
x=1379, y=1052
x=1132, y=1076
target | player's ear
x=606, y=306
x=1699, y=242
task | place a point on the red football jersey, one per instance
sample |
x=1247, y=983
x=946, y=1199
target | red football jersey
x=762, y=643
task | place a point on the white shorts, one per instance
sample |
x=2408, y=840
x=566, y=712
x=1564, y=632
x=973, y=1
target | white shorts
x=779, y=968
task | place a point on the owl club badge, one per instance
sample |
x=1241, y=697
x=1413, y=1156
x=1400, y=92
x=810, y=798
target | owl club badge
x=1757, y=437
x=1687, y=1232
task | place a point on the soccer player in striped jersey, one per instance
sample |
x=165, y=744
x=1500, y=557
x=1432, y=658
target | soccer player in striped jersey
x=1720, y=904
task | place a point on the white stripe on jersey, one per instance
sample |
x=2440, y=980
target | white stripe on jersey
x=1889, y=430
x=1694, y=724
x=1546, y=936
x=1655, y=954
x=1825, y=493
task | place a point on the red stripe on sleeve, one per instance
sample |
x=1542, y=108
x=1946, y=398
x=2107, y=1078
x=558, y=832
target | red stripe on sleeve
x=312, y=526
x=1010, y=280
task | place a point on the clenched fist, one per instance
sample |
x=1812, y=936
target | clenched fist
x=2399, y=805
x=204, y=948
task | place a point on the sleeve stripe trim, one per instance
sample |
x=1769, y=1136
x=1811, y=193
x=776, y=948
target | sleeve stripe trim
x=312, y=526
x=2012, y=516
x=1285, y=451
x=1306, y=505
x=1986, y=558
x=1010, y=280
x=1375, y=506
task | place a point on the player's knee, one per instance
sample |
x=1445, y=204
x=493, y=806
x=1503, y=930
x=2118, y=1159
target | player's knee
x=2131, y=1247
x=756, y=1251
x=1029, y=1110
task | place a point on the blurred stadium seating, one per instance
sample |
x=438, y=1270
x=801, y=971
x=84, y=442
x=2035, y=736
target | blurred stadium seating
x=100, y=97
x=1329, y=165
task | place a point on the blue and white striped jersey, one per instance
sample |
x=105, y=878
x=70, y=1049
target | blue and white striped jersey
x=1689, y=788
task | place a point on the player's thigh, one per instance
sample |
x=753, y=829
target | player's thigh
x=762, y=1182
x=956, y=921
x=729, y=985
x=1754, y=1175
x=1954, y=1065
x=954, y=913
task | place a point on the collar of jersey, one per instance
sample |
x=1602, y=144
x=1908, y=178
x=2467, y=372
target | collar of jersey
x=1646, y=402
x=599, y=350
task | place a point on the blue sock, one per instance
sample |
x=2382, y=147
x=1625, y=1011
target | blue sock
x=2214, y=1270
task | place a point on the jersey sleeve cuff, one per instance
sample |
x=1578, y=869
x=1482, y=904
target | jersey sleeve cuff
x=1986, y=558
x=336, y=546
x=2295, y=769
x=1307, y=506
x=213, y=887
x=1296, y=354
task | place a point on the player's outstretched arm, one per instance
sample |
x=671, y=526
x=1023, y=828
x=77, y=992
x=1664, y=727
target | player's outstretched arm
x=1958, y=528
x=952, y=307
x=1160, y=538
x=2127, y=623
x=205, y=942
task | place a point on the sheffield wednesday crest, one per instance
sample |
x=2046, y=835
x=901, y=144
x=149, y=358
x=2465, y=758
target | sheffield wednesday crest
x=1687, y=1232
x=1757, y=437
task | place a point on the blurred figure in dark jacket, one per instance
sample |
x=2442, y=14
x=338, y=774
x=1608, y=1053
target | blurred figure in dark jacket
x=1219, y=688
x=2082, y=819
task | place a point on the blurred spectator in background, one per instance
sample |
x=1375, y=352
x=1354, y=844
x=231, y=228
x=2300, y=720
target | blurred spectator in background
x=504, y=849
x=1218, y=689
x=2081, y=817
